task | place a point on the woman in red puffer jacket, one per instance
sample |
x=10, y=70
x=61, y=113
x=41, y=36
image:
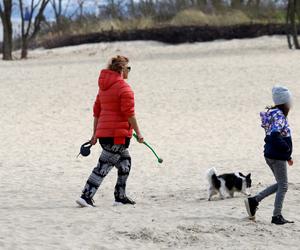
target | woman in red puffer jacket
x=114, y=120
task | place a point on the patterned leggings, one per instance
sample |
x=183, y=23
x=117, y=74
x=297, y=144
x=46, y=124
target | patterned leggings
x=112, y=155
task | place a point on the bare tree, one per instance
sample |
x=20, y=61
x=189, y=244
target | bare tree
x=217, y=4
x=5, y=14
x=59, y=10
x=202, y=4
x=80, y=8
x=79, y=11
x=132, y=8
x=31, y=23
x=254, y=3
x=293, y=13
x=237, y=4
x=114, y=8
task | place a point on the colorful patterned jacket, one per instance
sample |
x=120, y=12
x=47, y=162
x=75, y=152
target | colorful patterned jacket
x=278, y=140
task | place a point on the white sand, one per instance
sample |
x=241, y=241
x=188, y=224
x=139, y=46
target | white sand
x=198, y=106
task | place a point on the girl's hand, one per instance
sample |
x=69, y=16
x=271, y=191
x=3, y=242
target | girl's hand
x=94, y=139
x=140, y=138
x=291, y=162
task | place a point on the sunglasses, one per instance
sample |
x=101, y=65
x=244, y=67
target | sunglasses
x=129, y=69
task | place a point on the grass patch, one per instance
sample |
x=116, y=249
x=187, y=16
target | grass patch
x=197, y=17
x=227, y=17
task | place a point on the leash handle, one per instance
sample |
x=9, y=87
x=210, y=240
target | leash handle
x=145, y=143
x=85, y=149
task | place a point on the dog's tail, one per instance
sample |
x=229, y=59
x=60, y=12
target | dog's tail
x=212, y=178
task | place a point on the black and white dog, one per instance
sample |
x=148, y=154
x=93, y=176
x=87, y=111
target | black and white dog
x=227, y=184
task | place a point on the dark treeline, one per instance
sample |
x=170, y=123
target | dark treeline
x=171, y=35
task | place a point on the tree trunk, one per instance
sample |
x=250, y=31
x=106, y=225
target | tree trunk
x=5, y=14
x=294, y=24
x=217, y=4
x=132, y=10
x=288, y=28
x=24, y=49
x=236, y=4
x=31, y=27
x=7, y=40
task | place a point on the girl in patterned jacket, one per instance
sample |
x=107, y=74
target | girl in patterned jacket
x=277, y=151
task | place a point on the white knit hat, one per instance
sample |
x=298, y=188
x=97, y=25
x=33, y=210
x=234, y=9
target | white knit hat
x=281, y=95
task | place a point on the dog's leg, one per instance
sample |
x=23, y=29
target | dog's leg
x=231, y=193
x=223, y=190
x=210, y=193
x=222, y=196
x=222, y=193
x=246, y=192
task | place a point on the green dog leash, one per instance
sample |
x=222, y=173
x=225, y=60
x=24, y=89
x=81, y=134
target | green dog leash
x=160, y=160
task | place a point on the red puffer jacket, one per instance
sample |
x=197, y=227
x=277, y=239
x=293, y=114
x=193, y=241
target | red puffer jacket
x=113, y=106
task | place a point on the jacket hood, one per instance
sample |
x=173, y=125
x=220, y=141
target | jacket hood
x=108, y=78
x=267, y=117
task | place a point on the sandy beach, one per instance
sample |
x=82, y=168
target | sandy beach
x=197, y=104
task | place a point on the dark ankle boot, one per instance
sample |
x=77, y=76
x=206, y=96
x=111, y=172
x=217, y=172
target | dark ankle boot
x=124, y=201
x=279, y=220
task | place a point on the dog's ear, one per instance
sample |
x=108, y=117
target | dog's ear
x=241, y=174
x=248, y=176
